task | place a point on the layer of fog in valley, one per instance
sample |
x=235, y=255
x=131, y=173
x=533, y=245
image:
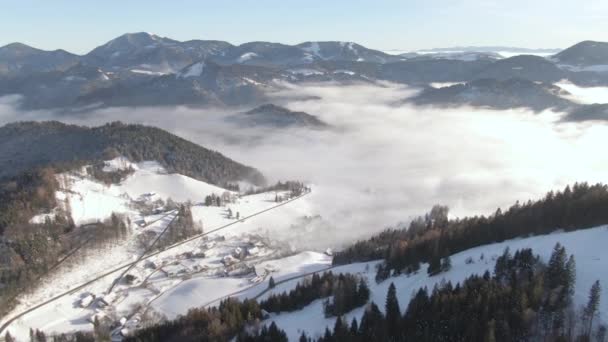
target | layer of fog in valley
x=587, y=95
x=382, y=163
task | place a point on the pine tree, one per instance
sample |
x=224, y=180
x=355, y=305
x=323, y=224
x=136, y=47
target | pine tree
x=600, y=335
x=303, y=337
x=592, y=306
x=446, y=264
x=354, y=327
x=393, y=313
x=362, y=292
x=490, y=332
x=571, y=272
x=271, y=283
x=434, y=266
x=556, y=274
x=340, y=330
x=8, y=337
x=275, y=334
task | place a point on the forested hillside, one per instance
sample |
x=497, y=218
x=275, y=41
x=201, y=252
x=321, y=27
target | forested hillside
x=24, y=145
x=433, y=237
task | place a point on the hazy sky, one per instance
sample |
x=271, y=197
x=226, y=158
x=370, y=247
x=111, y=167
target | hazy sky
x=79, y=26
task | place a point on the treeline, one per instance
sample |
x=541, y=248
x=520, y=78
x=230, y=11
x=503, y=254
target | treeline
x=524, y=300
x=221, y=323
x=267, y=334
x=108, y=177
x=40, y=336
x=40, y=247
x=345, y=291
x=433, y=237
x=181, y=228
x=295, y=188
x=28, y=250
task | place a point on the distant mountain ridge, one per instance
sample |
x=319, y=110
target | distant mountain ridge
x=509, y=94
x=497, y=94
x=142, y=69
x=493, y=49
x=20, y=58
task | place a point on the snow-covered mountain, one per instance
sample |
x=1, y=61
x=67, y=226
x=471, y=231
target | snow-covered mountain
x=17, y=58
x=492, y=93
x=143, y=69
x=145, y=52
x=345, y=51
x=587, y=55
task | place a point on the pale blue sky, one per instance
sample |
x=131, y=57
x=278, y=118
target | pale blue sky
x=79, y=26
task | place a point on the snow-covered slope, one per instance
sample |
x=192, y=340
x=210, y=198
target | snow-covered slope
x=587, y=246
x=90, y=200
x=237, y=258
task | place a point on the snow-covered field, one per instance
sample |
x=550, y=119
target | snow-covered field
x=587, y=246
x=196, y=273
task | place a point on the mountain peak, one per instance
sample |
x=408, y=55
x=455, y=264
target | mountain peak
x=18, y=48
x=139, y=39
x=279, y=117
x=585, y=53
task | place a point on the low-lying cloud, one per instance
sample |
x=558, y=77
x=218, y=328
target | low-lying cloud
x=385, y=163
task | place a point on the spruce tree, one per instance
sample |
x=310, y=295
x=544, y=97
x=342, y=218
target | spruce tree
x=393, y=313
x=592, y=306
x=340, y=330
x=571, y=273
x=354, y=327
x=362, y=292
x=271, y=283
x=446, y=264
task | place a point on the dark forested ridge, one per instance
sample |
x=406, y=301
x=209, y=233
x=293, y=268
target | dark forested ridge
x=524, y=300
x=433, y=237
x=24, y=145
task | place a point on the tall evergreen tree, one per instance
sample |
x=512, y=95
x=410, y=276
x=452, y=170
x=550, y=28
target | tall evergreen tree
x=591, y=309
x=393, y=313
x=571, y=272
x=8, y=337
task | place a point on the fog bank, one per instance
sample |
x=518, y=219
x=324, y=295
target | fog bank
x=382, y=164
